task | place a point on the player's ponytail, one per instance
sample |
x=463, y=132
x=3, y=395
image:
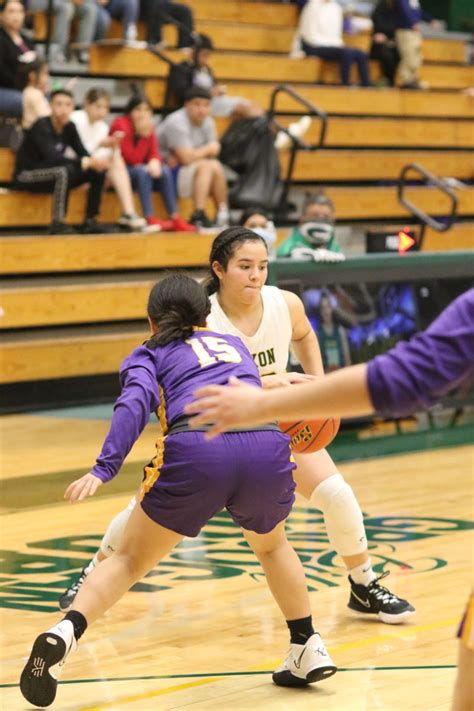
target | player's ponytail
x=176, y=305
x=223, y=249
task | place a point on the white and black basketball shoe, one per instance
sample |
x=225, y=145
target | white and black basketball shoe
x=67, y=598
x=374, y=599
x=305, y=664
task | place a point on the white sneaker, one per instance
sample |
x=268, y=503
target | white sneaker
x=222, y=218
x=133, y=222
x=39, y=678
x=305, y=664
x=296, y=129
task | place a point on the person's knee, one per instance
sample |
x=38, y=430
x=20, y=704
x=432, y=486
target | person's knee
x=204, y=166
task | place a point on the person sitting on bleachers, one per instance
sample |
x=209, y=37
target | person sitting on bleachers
x=125, y=10
x=320, y=30
x=409, y=15
x=157, y=13
x=189, y=142
x=52, y=159
x=94, y=134
x=65, y=11
x=16, y=50
x=147, y=170
x=33, y=79
x=197, y=72
x=384, y=46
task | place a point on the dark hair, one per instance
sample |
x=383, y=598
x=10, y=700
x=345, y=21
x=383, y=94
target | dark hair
x=202, y=41
x=24, y=71
x=223, y=249
x=61, y=92
x=96, y=94
x=135, y=101
x=176, y=305
x=317, y=198
x=195, y=92
x=249, y=211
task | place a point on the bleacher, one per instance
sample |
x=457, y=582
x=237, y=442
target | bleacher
x=73, y=306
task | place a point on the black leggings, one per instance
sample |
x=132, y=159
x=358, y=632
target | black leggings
x=388, y=57
x=158, y=13
x=59, y=180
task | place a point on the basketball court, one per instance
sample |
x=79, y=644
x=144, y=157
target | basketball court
x=202, y=631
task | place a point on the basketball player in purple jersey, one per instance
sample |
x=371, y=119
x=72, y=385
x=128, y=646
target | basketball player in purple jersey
x=189, y=480
x=414, y=374
x=269, y=321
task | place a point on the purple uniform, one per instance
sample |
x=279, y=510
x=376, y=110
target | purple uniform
x=416, y=373
x=191, y=479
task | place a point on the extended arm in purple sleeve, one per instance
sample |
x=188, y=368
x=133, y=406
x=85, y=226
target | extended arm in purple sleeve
x=139, y=397
x=416, y=373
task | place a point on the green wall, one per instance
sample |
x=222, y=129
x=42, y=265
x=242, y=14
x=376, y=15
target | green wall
x=459, y=14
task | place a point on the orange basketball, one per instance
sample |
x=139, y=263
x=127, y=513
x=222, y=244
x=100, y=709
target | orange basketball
x=311, y=435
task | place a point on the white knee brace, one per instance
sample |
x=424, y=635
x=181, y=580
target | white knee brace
x=115, y=530
x=342, y=515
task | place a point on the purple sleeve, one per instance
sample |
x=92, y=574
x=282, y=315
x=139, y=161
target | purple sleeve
x=416, y=373
x=138, y=398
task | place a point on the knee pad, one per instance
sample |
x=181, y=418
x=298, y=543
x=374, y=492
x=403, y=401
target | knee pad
x=342, y=515
x=115, y=530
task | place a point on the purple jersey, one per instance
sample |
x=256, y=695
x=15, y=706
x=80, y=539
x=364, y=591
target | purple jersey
x=416, y=373
x=163, y=379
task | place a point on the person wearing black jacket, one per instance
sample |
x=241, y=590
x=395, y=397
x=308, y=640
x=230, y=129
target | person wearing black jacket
x=16, y=50
x=384, y=47
x=52, y=159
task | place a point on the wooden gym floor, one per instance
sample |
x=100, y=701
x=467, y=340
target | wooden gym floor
x=202, y=631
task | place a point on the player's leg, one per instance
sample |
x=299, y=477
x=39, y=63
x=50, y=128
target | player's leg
x=308, y=660
x=143, y=545
x=318, y=480
x=108, y=545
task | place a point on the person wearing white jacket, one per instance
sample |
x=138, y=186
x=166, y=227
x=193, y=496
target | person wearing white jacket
x=320, y=33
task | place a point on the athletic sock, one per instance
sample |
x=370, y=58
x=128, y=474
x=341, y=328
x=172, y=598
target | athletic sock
x=363, y=574
x=79, y=622
x=300, y=630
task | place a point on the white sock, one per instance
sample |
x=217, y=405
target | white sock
x=363, y=574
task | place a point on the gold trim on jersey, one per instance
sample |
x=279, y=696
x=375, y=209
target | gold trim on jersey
x=153, y=472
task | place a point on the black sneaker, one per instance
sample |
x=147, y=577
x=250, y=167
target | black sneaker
x=68, y=596
x=374, y=599
x=201, y=220
x=59, y=228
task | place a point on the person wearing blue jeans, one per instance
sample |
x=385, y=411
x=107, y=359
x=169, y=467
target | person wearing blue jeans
x=346, y=56
x=145, y=184
x=125, y=10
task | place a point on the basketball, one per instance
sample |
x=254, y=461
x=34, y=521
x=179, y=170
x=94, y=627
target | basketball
x=311, y=435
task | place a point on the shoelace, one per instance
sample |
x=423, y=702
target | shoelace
x=381, y=593
x=77, y=584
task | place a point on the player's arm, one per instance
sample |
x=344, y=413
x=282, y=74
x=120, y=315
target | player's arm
x=303, y=339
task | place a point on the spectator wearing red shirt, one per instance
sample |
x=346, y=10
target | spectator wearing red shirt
x=146, y=168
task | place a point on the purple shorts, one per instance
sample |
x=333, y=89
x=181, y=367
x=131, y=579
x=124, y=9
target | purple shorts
x=247, y=473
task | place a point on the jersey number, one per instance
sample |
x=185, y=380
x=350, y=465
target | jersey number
x=209, y=349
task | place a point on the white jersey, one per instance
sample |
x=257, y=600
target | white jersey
x=270, y=344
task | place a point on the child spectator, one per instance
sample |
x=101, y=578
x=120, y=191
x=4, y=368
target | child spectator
x=189, y=141
x=157, y=13
x=94, y=134
x=65, y=11
x=409, y=14
x=314, y=237
x=34, y=80
x=52, y=159
x=146, y=168
x=16, y=50
x=257, y=220
x=320, y=29
x=384, y=46
x=125, y=10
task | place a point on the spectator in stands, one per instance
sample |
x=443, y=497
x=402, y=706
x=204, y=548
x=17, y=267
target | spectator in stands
x=314, y=237
x=94, y=134
x=125, y=10
x=53, y=160
x=189, y=141
x=409, y=14
x=147, y=170
x=157, y=13
x=198, y=72
x=320, y=30
x=384, y=46
x=257, y=219
x=16, y=50
x=33, y=79
x=65, y=11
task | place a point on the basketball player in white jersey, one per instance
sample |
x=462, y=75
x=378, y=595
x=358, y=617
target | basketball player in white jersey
x=269, y=321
